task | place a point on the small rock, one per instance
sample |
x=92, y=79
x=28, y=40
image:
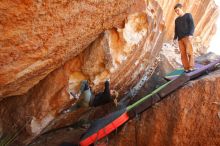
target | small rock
x=219, y=115
x=217, y=103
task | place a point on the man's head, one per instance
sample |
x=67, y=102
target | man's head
x=178, y=9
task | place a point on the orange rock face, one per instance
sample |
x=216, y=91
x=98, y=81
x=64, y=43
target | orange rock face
x=38, y=36
x=119, y=53
x=190, y=116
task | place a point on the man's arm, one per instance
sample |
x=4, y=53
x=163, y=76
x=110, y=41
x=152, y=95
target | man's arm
x=175, y=32
x=107, y=88
x=191, y=24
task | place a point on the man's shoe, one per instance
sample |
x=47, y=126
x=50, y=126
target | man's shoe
x=186, y=71
x=192, y=69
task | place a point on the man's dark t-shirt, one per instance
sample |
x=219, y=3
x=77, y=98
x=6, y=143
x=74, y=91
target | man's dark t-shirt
x=103, y=97
x=184, y=26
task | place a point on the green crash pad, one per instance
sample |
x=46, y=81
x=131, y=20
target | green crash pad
x=174, y=73
x=179, y=71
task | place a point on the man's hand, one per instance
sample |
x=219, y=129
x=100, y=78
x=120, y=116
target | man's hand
x=175, y=42
x=75, y=95
x=190, y=37
x=107, y=79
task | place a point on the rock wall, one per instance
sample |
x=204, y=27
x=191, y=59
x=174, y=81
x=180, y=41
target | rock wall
x=48, y=47
x=123, y=51
x=189, y=116
x=39, y=36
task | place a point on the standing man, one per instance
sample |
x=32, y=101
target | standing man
x=184, y=29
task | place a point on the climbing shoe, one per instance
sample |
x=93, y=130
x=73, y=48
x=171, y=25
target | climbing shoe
x=186, y=71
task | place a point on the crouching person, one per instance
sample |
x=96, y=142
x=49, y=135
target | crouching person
x=87, y=99
x=106, y=96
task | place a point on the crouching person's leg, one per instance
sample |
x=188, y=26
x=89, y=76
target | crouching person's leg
x=106, y=96
x=102, y=97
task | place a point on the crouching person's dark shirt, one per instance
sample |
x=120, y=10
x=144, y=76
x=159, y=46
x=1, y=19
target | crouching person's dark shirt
x=103, y=97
